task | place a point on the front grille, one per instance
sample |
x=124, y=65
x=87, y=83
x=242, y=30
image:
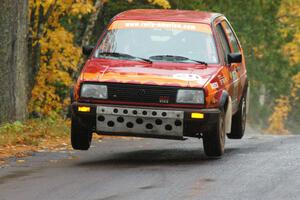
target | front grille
x=142, y=93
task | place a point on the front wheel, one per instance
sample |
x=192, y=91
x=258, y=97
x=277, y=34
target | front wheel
x=81, y=137
x=214, y=141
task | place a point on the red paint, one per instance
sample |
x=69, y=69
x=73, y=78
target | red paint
x=167, y=15
x=169, y=73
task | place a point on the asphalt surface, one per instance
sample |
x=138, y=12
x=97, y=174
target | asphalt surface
x=256, y=167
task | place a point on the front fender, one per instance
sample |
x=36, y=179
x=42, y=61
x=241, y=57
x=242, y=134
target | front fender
x=225, y=105
x=223, y=101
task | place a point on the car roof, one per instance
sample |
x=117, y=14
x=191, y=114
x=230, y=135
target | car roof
x=168, y=15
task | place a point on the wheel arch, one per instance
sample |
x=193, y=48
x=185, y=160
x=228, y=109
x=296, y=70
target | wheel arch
x=226, y=107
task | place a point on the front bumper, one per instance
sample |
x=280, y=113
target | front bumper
x=154, y=122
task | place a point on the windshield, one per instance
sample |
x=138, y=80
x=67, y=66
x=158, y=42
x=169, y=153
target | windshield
x=160, y=41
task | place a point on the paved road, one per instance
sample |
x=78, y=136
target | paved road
x=257, y=167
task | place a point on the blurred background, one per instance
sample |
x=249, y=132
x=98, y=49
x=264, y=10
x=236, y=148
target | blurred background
x=40, y=57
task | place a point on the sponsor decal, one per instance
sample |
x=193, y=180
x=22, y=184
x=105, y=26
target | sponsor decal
x=222, y=79
x=192, y=78
x=214, y=85
x=130, y=24
x=187, y=77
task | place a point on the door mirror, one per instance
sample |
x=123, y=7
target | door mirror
x=87, y=50
x=234, y=58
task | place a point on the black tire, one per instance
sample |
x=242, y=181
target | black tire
x=81, y=137
x=239, y=121
x=214, y=141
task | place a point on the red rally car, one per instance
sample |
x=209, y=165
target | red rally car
x=167, y=74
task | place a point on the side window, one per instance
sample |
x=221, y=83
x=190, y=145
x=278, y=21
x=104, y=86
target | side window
x=225, y=45
x=232, y=39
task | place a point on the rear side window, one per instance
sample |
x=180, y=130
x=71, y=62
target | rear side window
x=232, y=39
x=225, y=44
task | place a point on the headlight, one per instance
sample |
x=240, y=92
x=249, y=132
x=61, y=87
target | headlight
x=190, y=96
x=94, y=91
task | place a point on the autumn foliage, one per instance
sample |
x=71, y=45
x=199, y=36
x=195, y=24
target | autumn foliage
x=54, y=52
x=271, y=37
x=280, y=114
x=289, y=16
x=58, y=55
x=162, y=3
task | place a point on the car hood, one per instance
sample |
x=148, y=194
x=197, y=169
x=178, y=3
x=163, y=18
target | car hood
x=162, y=73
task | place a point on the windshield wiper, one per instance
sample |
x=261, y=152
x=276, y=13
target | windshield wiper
x=123, y=55
x=176, y=58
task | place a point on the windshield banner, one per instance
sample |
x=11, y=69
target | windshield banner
x=131, y=24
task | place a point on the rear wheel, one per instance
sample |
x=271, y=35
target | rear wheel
x=239, y=121
x=81, y=137
x=214, y=141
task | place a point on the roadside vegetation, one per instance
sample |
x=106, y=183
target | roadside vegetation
x=269, y=31
x=269, y=34
x=32, y=132
x=33, y=135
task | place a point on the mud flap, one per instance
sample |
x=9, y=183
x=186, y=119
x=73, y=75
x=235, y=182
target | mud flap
x=228, y=116
x=248, y=100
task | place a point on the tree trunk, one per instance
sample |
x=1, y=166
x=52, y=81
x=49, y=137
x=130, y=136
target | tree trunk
x=91, y=23
x=88, y=33
x=13, y=60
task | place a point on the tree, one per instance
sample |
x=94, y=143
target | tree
x=13, y=60
x=259, y=29
x=54, y=52
x=283, y=114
